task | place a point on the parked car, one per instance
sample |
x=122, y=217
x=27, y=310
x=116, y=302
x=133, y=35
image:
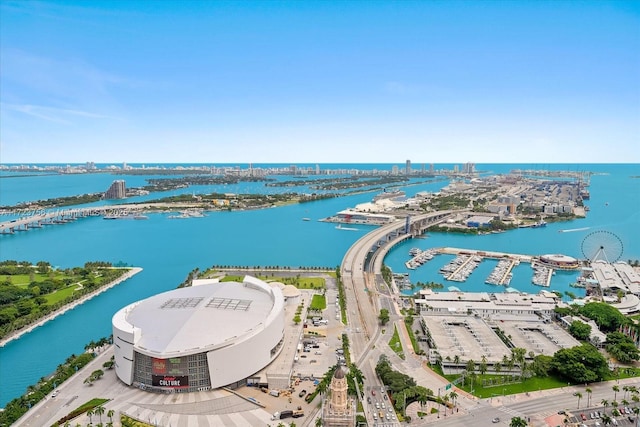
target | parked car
x=302, y=393
x=495, y=420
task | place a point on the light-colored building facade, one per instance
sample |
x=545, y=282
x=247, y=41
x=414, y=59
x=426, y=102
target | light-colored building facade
x=338, y=408
x=199, y=337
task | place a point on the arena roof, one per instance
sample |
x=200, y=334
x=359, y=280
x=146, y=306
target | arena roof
x=196, y=318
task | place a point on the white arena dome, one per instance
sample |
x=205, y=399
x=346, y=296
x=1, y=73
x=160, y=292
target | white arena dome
x=199, y=337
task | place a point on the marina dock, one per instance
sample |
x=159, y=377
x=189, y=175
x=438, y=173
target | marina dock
x=461, y=267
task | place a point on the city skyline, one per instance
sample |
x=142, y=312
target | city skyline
x=320, y=82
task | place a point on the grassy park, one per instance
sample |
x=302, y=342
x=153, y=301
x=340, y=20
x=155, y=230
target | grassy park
x=30, y=292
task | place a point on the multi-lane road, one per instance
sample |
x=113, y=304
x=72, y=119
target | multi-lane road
x=366, y=292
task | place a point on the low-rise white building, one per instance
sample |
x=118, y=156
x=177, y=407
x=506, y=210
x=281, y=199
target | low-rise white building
x=486, y=304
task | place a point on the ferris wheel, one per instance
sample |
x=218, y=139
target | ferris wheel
x=602, y=245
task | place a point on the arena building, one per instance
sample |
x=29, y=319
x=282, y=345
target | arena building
x=199, y=337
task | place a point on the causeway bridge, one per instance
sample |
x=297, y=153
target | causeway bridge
x=41, y=218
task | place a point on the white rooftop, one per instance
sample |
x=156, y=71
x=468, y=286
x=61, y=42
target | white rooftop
x=202, y=317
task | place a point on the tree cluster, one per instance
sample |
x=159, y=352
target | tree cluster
x=402, y=387
x=622, y=347
x=580, y=364
x=580, y=330
x=607, y=317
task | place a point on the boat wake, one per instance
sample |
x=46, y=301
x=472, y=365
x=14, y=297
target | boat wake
x=571, y=230
x=340, y=227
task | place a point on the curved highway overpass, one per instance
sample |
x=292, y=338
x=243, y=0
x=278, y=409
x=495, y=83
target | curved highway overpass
x=362, y=278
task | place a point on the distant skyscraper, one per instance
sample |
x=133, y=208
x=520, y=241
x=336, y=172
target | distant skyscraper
x=394, y=170
x=317, y=169
x=469, y=168
x=407, y=167
x=116, y=191
x=431, y=168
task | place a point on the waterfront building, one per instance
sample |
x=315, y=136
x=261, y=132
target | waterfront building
x=559, y=261
x=199, y=337
x=486, y=304
x=117, y=190
x=351, y=216
x=407, y=167
x=337, y=408
x=615, y=277
x=477, y=221
x=463, y=326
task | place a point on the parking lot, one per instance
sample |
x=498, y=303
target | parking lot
x=594, y=417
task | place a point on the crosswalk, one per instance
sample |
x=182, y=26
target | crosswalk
x=512, y=412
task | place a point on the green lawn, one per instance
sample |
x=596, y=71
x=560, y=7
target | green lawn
x=531, y=384
x=61, y=294
x=318, y=302
x=395, y=343
x=24, y=279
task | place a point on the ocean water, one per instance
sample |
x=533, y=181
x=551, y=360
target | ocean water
x=167, y=249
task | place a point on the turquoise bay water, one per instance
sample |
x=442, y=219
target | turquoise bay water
x=168, y=249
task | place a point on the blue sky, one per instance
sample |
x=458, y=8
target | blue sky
x=331, y=81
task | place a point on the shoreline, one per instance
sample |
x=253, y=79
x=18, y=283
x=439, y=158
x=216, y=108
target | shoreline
x=17, y=334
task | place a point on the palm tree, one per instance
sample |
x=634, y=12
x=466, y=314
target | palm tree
x=626, y=390
x=606, y=419
x=579, y=396
x=110, y=414
x=497, y=367
x=471, y=365
x=319, y=422
x=90, y=415
x=615, y=389
x=453, y=395
x=518, y=422
x=99, y=411
x=605, y=403
x=614, y=408
x=588, y=391
x=445, y=401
